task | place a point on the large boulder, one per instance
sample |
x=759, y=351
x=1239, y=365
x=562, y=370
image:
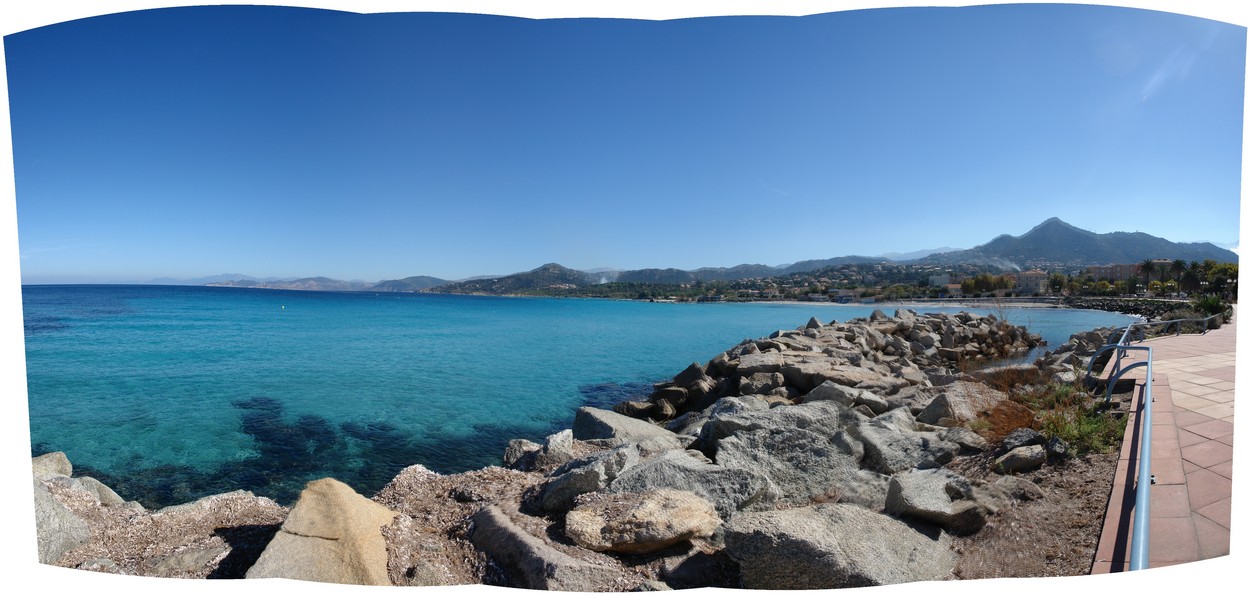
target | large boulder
x=47, y=466
x=729, y=490
x=587, y=474
x=57, y=529
x=890, y=447
x=822, y=417
x=640, y=523
x=832, y=546
x=533, y=563
x=598, y=424
x=805, y=465
x=755, y=363
x=332, y=535
x=848, y=396
x=936, y=496
x=1024, y=458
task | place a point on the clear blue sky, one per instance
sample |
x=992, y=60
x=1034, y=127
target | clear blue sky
x=185, y=142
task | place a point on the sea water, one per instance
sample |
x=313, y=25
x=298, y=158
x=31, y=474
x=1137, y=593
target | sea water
x=169, y=393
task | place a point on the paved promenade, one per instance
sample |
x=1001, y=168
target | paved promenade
x=1192, y=461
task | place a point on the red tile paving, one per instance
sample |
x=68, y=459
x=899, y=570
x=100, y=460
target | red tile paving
x=1192, y=454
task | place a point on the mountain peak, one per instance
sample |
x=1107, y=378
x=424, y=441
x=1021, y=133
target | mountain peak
x=1053, y=222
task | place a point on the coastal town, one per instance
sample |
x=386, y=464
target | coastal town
x=867, y=283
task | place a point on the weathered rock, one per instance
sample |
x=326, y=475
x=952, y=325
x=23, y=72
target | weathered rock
x=932, y=496
x=332, y=535
x=822, y=417
x=804, y=465
x=591, y=423
x=729, y=490
x=51, y=464
x=756, y=363
x=848, y=396
x=969, y=442
x=557, y=449
x=826, y=547
x=520, y=454
x=587, y=474
x=1019, y=488
x=692, y=374
x=1024, y=458
x=761, y=383
x=57, y=529
x=1021, y=437
x=640, y=523
x=1057, y=447
x=531, y=562
x=187, y=560
x=104, y=494
x=891, y=446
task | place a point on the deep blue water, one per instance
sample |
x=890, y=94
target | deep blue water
x=169, y=393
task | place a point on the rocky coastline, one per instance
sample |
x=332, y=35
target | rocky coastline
x=822, y=457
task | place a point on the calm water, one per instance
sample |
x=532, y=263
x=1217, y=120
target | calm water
x=170, y=393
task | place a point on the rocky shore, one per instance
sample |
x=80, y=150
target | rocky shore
x=822, y=457
x=1150, y=309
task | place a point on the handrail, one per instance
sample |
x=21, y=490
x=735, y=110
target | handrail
x=1139, y=551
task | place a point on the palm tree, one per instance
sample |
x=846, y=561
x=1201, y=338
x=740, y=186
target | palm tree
x=1178, y=269
x=1146, y=267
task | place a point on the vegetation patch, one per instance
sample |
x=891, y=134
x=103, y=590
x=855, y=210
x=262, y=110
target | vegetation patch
x=1074, y=415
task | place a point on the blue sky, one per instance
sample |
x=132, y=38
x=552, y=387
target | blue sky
x=290, y=142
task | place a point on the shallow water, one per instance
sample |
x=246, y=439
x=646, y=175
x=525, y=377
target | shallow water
x=169, y=393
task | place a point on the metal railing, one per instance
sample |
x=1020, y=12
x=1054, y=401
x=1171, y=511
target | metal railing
x=1139, y=550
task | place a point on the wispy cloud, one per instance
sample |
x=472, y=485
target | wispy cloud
x=1175, y=68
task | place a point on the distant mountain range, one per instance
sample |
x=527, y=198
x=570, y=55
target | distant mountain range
x=1052, y=243
x=1055, y=242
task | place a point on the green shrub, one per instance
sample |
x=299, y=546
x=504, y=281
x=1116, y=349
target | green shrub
x=1212, y=304
x=1070, y=413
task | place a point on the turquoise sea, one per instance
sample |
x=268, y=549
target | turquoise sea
x=168, y=393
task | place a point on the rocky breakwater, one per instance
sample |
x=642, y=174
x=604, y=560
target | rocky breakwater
x=815, y=458
x=881, y=355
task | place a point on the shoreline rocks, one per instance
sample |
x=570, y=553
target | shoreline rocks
x=813, y=458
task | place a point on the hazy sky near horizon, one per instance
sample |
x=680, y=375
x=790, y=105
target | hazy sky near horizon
x=269, y=141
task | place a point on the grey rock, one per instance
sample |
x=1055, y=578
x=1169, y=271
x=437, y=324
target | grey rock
x=51, y=464
x=935, y=496
x=591, y=423
x=756, y=363
x=823, y=417
x=557, y=450
x=825, y=547
x=1021, y=437
x=104, y=494
x=531, y=562
x=520, y=454
x=1024, y=458
x=587, y=474
x=1019, y=488
x=692, y=374
x=761, y=383
x=804, y=464
x=848, y=396
x=889, y=449
x=729, y=490
x=1057, y=447
x=969, y=442
x=184, y=561
x=57, y=529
